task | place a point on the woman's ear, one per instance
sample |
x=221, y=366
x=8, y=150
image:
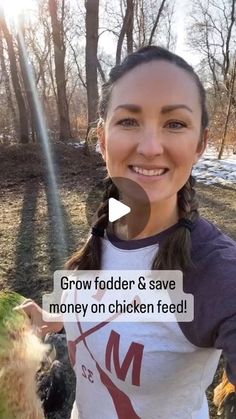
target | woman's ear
x=202, y=145
x=101, y=139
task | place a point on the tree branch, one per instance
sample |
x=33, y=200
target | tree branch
x=156, y=21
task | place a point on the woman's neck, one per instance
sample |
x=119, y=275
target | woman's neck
x=138, y=224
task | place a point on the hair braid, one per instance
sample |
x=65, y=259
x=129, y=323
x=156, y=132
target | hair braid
x=89, y=256
x=175, y=253
x=187, y=201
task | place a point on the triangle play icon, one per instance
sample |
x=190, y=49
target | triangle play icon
x=116, y=209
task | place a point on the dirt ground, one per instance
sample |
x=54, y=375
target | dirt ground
x=30, y=246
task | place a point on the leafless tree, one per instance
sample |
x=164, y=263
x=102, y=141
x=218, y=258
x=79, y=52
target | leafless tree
x=26, y=84
x=59, y=57
x=130, y=27
x=212, y=35
x=7, y=85
x=231, y=92
x=157, y=20
x=92, y=9
x=153, y=22
x=126, y=29
x=23, y=120
x=64, y=42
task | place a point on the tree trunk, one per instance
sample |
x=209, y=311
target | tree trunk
x=59, y=58
x=227, y=44
x=24, y=132
x=29, y=96
x=7, y=84
x=92, y=9
x=156, y=22
x=130, y=26
x=101, y=72
x=128, y=19
x=228, y=110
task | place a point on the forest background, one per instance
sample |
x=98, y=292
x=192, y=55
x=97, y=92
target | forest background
x=72, y=44
x=61, y=51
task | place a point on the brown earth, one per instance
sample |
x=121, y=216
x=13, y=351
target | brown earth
x=30, y=250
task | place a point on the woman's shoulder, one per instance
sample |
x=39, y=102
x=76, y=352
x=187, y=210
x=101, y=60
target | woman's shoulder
x=212, y=281
x=207, y=237
x=213, y=252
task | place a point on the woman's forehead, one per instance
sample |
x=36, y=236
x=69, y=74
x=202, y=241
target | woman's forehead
x=157, y=82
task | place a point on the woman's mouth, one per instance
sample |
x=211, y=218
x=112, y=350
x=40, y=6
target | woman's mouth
x=148, y=172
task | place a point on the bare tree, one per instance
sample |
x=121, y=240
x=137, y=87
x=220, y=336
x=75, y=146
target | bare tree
x=140, y=22
x=213, y=35
x=130, y=27
x=24, y=131
x=26, y=84
x=157, y=20
x=7, y=84
x=59, y=57
x=126, y=29
x=232, y=83
x=92, y=9
x=153, y=22
x=171, y=37
x=67, y=74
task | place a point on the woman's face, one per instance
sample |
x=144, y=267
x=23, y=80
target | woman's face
x=152, y=130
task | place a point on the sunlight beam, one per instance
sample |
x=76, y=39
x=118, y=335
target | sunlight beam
x=52, y=185
x=14, y=8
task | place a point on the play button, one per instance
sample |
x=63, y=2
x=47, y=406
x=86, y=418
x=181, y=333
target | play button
x=118, y=198
x=116, y=210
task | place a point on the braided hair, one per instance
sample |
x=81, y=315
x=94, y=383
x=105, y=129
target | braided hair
x=175, y=252
x=89, y=256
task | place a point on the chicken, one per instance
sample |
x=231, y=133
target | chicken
x=21, y=354
x=225, y=398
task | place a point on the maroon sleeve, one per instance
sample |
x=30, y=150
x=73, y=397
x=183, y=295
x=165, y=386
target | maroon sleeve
x=213, y=284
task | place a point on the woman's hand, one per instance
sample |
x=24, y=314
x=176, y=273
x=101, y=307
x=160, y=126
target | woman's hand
x=42, y=321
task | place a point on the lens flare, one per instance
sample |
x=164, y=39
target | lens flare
x=13, y=8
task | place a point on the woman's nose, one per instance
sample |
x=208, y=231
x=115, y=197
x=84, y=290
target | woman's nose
x=150, y=144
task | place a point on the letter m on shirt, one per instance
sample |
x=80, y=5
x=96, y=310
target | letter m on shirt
x=132, y=359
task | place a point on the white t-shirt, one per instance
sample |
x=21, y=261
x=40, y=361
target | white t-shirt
x=152, y=370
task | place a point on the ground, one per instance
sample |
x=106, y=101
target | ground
x=30, y=245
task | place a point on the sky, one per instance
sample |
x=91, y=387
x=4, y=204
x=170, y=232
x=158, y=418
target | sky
x=182, y=12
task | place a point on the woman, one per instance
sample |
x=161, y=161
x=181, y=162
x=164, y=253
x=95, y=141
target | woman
x=152, y=130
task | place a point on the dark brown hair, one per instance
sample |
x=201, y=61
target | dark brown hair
x=175, y=252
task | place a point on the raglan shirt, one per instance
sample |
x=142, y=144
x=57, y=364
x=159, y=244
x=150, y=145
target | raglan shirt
x=159, y=370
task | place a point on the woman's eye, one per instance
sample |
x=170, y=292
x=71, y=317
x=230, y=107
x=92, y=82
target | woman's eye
x=127, y=122
x=176, y=125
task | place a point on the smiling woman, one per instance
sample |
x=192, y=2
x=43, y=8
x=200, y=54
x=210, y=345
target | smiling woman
x=153, y=128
